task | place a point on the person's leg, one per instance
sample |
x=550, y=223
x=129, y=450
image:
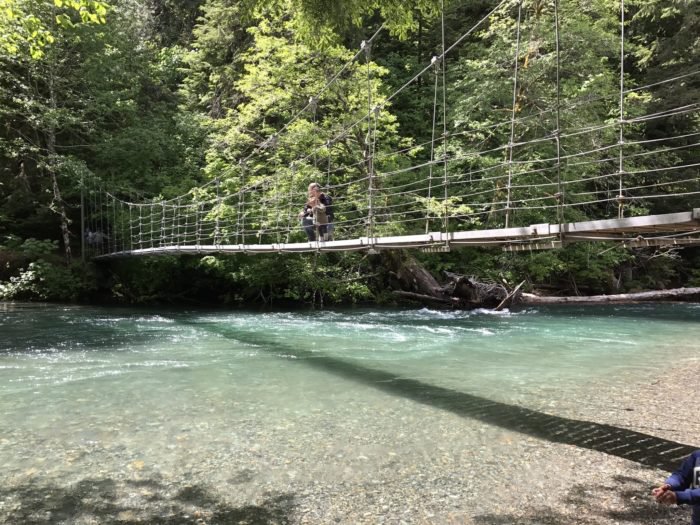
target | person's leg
x=696, y=515
x=329, y=231
x=308, y=225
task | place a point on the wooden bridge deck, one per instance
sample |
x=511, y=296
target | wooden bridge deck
x=671, y=229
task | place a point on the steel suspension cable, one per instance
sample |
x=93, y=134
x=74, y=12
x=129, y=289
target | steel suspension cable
x=620, y=196
x=369, y=145
x=432, y=150
x=560, y=189
x=512, y=124
x=444, y=124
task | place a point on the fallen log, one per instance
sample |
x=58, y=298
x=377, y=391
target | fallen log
x=414, y=283
x=658, y=295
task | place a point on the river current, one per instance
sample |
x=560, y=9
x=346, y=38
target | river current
x=257, y=400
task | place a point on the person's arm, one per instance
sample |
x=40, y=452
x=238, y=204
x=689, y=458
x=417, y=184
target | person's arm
x=677, y=489
x=688, y=497
x=682, y=478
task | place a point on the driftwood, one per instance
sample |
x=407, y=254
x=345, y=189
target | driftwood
x=677, y=293
x=415, y=283
x=510, y=298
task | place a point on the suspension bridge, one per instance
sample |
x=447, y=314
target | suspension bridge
x=559, y=173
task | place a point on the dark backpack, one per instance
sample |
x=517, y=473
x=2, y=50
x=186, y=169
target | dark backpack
x=327, y=201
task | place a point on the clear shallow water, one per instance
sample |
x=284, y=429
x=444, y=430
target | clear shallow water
x=54, y=360
x=266, y=397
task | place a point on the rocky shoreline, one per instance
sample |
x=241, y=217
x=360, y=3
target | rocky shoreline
x=438, y=468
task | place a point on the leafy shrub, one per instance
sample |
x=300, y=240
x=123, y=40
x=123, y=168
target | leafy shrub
x=46, y=281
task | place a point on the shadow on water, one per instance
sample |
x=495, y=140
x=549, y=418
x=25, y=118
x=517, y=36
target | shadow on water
x=641, y=448
x=106, y=501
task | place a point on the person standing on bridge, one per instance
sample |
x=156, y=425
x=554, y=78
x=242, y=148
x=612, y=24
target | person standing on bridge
x=317, y=215
x=683, y=486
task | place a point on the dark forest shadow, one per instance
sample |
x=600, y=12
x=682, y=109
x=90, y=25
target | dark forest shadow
x=107, y=502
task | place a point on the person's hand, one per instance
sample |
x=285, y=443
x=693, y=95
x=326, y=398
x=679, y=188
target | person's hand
x=668, y=498
x=665, y=495
x=660, y=490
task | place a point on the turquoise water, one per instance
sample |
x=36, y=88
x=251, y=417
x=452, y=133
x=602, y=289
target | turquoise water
x=231, y=397
x=58, y=352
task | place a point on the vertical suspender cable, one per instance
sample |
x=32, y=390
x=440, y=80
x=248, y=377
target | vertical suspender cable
x=176, y=222
x=240, y=238
x=82, y=218
x=290, y=215
x=100, y=238
x=557, y=131
x=94, y=228
x=162, y=224
x=329, y=231
x=198, y=225
x=444, y=122
x=217, y=231
x=435, y=61
x=621, y=141
x=140, y=230
x=114, y=223
x=126, y=231
x=277, y=205
x=152, y=227
x=512, y=118
x=367, y=47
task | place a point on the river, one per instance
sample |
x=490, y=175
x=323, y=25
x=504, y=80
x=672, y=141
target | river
x=158, y=415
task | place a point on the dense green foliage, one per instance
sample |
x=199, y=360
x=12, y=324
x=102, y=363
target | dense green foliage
x=154, y=97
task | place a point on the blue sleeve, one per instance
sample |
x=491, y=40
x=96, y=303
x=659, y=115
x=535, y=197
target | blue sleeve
x=688, y=497
x=682, y=478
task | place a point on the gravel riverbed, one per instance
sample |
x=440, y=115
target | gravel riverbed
x=392, y=459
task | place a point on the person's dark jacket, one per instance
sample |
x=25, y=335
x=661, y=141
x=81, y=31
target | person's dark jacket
x=685, y=482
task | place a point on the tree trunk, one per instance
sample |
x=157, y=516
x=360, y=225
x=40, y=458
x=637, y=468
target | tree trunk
x=677, y=293
x=57, y=204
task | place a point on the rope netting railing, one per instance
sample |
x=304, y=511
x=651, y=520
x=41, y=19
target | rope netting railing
x=527, y=164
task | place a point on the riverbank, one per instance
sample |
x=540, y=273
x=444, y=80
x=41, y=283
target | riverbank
x=502, y=477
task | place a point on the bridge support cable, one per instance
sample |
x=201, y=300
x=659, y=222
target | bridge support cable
x=560, y=197
x=621, y=166
x=198, y=224
x=369, y=145
x=291, y=212
x=278, y=205
x=444, y=125
x=161, y=237
x=240, y=221
x=329, y=146
x=100, y=235
x=217, y=213
x=513, y=111
x=154, y=225
x=114, y=229
x=435, y=62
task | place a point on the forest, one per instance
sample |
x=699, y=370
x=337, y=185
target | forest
x=154, y=99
